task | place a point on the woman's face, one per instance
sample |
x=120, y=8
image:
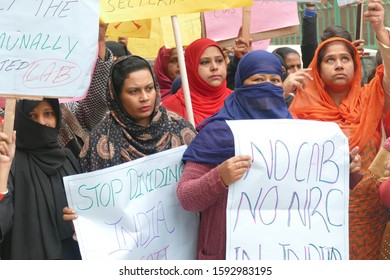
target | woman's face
x=138, y=96
x=337, y=68
x=293, y=62
x=212, y=66
x=44, y=114
x=263, y=78
x=173, y=65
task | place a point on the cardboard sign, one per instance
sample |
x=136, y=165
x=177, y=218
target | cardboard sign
x=120, y=11
x=292, y=204
x=152, y=34
x=130, y=211
x=263, y=15
x=47, y=48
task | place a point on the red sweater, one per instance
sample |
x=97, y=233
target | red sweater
x=201, y=189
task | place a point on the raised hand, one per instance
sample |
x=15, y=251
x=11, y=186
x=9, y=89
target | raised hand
x=375, y=15
x=7, y=148
x=242, y=46
x=296, y=80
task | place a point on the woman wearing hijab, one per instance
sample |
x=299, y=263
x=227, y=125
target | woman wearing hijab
x=206, y=70
x=335, y=94
x=32, y=193
x=137, y=125
x=166, y=67
x=210, y=161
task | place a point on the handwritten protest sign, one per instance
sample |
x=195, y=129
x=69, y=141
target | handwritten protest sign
x=263, y=15
x=160, y=33
x=47, y=48
x=293, y=202
x=118, y=10
x=130, y=211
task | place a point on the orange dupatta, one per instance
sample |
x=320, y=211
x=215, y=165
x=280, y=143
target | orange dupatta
x=360, y=112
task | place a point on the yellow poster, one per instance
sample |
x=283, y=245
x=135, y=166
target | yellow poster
x=134, y=28
x=160, y=33
x=190, y=29
x=122, y=11
x=148, y=47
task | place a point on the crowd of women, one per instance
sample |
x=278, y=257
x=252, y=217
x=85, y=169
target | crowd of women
x=140, y=116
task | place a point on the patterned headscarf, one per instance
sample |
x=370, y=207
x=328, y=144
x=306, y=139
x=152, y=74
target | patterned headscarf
x=118, y=138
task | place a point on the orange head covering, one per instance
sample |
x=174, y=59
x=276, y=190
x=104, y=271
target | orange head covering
x=359, y=114
x=206, y=100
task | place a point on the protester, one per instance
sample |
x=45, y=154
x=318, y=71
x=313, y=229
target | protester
x=137, y=124
x=309, y=45
x=342, y=99
x=291, y=57
x=166, y=68
x=206, y=69
x=211, y=165
x=32, y=193
x=335, y=94
x=210, y=161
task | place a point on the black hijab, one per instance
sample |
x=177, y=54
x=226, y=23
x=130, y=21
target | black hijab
x=36, y=185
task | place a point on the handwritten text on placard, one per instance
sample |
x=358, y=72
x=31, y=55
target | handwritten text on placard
x=293, y=199
x=119, y=10
x=47, y=44
x=134, y=209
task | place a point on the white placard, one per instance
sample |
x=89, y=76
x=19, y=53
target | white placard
x=47, y=47
x=130, y=211
x=293, y=202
